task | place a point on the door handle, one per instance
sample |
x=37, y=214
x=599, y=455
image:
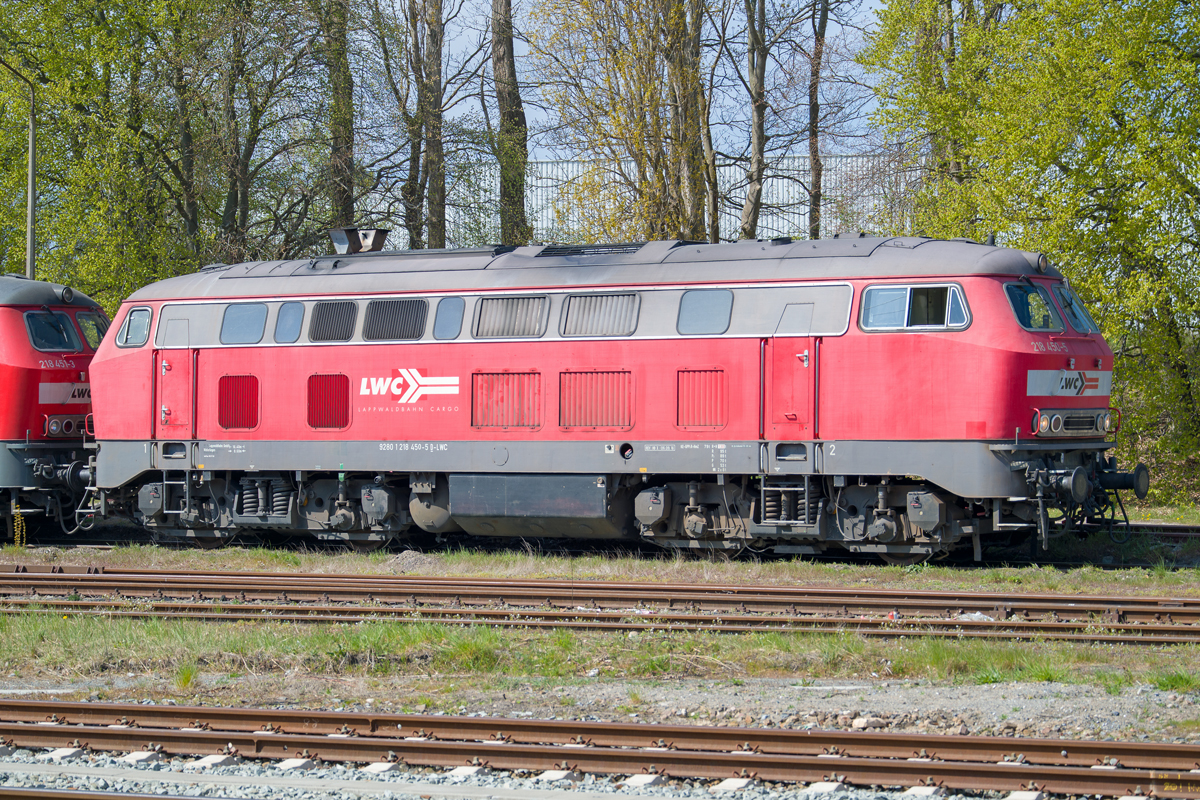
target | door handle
x=803, y=357
x=166, y=367
x=166, y=412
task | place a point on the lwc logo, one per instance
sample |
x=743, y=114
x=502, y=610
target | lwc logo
x=408, y=385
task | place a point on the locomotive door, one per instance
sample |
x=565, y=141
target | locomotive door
x=174, y=368
x=791, y=376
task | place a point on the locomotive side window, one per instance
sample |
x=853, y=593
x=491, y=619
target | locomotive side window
x=244, y=323
x=333, y=321
x=288, y=322
x=889, y=308
x=704, y=311
x=1033, y=307
x=447, y=323
x=1075, y=310
x=390, y=320
x=883, y=307
x=51, y=331
x=600, y=315
x=93, y=325
x=505, y=317
x=135, y=330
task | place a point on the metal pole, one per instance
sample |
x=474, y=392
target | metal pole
x=31, y=185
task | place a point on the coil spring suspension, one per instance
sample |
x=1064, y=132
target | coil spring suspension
x=771, y=505
x=799, y=504
x=281, y=495
x=248, y=499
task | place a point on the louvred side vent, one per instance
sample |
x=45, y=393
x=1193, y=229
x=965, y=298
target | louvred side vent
x=701, y=399
x=595, y=399
x=328, y=401
x=237, y=401
x=506, y=400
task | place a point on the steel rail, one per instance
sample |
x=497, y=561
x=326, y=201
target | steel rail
x=308, y=587
x=862, y=744
x=1111, y=780
x=598, y=621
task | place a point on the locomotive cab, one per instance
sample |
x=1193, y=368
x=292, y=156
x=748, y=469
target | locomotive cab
x=48, y=334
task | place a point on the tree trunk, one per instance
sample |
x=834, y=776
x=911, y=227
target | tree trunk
x=820, y=23
x=684, y=22
x=710, y=176
x=756, y=75
x=435, y=163
x=512, y=142
x=233, y=238
x=413, y=191
x=189, y=206
x=335, y=26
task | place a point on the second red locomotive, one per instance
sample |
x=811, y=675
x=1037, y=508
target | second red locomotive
x=895, y=396
x=48, y=334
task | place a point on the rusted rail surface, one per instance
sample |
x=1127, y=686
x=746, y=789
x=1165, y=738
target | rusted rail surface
x=1012, y=630
x=957, y=762
x=595, y=605
x=310, y=587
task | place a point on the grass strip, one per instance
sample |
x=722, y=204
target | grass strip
x=39, y=645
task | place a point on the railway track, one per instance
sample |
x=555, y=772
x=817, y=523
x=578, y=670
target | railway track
x=680, y=751
x=594, y=605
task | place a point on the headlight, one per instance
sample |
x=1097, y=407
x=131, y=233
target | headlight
x=1056, y=423
x=1108, y=421
x=1101, y=426
x=1044, y=424
x=55, y=427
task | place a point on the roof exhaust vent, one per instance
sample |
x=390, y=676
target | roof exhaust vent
x=373, y=239
x=353, y=240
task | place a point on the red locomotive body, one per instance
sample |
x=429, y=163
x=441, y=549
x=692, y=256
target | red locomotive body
x=890, y=396
x=48, y=334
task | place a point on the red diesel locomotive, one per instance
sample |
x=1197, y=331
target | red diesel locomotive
x=48, y=334
x=895, y=396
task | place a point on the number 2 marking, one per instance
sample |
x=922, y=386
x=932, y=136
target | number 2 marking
x=832, y=450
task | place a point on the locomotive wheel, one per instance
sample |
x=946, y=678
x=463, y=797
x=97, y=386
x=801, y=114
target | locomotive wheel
x=904, y=559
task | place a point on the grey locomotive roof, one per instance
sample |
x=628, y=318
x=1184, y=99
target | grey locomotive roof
x=17, y=290
x=667, y=262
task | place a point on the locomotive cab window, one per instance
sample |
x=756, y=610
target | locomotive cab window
x=1076, y=311
x=135, y=330
x=52, y=332
x=889, y=308
x=704, y=311
x=1033, y=307
x=94, y=325
x=244, y=323
x=288, y=322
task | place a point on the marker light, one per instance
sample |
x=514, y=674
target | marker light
x=1101, y=423
x=1056, y=423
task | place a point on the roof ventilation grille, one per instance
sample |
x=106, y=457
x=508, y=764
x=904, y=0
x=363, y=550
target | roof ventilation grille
x=589, y=249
